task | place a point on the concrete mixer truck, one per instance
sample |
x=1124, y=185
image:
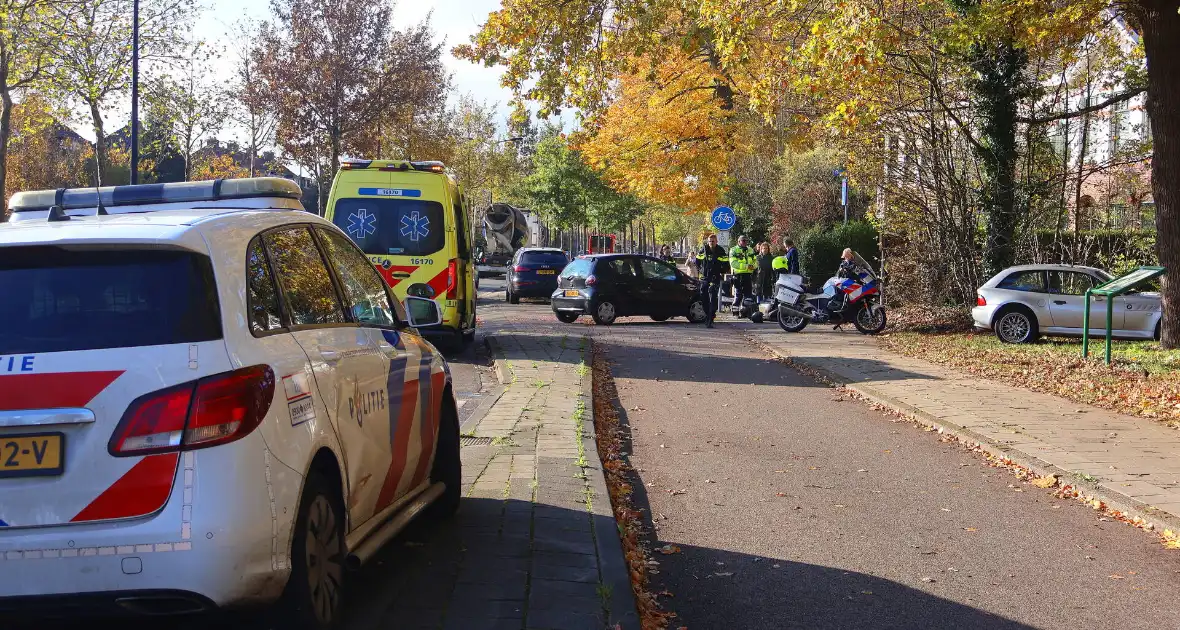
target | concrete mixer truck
x=505, y=230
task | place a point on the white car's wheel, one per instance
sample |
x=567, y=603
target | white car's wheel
x=1016, y=326
x=316, y=585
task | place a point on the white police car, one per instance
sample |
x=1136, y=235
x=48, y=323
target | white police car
x=208, y=398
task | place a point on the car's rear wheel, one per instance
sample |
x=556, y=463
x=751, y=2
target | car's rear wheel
x=697, y=312
x=1016, y=325
x=316, y=585
x=605, y=313
x=448, y=464
x=568, y=318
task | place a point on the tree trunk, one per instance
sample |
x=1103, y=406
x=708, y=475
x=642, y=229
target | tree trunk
x=101, y=161
x=1160, y=28
x=5, y=133
x=1001, y=69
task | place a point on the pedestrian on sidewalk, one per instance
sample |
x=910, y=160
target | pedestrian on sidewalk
x=690, y=261
x=764, y=276
x=712, y=264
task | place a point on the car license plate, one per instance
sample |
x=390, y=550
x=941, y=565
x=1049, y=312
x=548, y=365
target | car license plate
x=32, y=455
x=546, y=272
x=786, y=295
x=572, y=293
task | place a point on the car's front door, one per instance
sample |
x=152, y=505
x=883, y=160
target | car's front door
x=349, y=371
x=662, y=292
x=401, y=425
x=1067, y=302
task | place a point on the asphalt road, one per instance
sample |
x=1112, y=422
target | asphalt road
x=793, y=507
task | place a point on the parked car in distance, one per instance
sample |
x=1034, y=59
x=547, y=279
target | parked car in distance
x=209, y=398
x=1024, y=302
x=533, y=273
x=609, y=286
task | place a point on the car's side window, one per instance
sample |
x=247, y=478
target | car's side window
x=301, y=271
x=262, y=297
x=1069, y=283
x=622, y=268
x=364, y=290
x=657, y=270
x=1033, y=281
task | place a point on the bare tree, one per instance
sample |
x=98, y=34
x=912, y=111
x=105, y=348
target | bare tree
x=95, y=56
x=253, y=110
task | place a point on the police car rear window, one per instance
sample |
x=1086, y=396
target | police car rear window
x=58, y=300
x=398, y=227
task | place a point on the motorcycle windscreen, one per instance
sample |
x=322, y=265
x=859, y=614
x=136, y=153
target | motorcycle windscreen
x=863, y=264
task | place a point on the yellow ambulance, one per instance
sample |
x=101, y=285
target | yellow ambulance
x=411, y=220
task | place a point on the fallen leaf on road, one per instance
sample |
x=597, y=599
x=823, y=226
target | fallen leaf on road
x=813, y=468
x=969, y=529
x=928, y=580
x=866, y=592
x=1045, y=482
x=676, y=492
x=724, y=574
x=862, y=470
x=888, y=451
x=710, y=481
x=637, y=409
x=946, y=509
x=776, y=566
x=780, y=494
x=668, y=550
x=1116, y=576
x=839, y=506
x=662, y=446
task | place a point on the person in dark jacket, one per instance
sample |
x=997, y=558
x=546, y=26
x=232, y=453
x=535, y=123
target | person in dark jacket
x=666, y=254
x=712, y=264
x=764, y=280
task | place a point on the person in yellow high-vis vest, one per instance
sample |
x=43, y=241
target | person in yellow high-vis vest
x=743, y=260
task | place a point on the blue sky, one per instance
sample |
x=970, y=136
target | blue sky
x=454, y=20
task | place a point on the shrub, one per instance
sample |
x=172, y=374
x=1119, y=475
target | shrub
x=820, y=247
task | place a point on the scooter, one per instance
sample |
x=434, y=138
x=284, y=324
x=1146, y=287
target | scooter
x=842, y=300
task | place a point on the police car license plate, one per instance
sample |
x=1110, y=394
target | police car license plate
x=572, y=293
x=786, y=295
x=546, y=272
x=32, y=455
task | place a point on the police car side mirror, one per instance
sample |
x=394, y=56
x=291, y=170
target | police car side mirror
x=422, y=312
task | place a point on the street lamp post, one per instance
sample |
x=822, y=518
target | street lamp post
x=135, y=93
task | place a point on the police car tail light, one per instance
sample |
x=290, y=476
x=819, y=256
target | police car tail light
x=229, y=406
x=153, y=423
x=214, y=410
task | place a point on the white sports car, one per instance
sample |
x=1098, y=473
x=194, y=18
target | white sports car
x=1024, y=302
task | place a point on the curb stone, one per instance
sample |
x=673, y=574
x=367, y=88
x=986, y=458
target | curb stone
x=1114, y=499
x=618, y=598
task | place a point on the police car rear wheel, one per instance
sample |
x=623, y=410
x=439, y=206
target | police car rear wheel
x=317, y=557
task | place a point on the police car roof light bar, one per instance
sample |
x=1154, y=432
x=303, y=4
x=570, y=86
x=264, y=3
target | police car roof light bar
x=150, y=194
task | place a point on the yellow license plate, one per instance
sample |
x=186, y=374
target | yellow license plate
x=32, y=455
x=546, y=272
x=572, y=293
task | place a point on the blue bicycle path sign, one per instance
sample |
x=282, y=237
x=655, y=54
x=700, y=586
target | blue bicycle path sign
x=724, y=218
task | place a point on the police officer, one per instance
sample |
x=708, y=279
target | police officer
x=743, y=261
x=789, y=261
x=712, y=263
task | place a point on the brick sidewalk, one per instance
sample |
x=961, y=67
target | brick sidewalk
x=543, y=549
x=1131, y=463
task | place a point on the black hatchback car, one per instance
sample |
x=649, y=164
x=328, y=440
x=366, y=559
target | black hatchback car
x=609, y=286
x=533, y=273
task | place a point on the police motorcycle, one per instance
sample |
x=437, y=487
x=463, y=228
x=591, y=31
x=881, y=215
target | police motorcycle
x=852, y=296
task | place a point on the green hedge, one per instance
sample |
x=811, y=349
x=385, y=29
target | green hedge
x=820, y=248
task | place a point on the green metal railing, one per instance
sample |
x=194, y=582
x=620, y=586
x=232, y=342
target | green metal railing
x=1111, y=290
